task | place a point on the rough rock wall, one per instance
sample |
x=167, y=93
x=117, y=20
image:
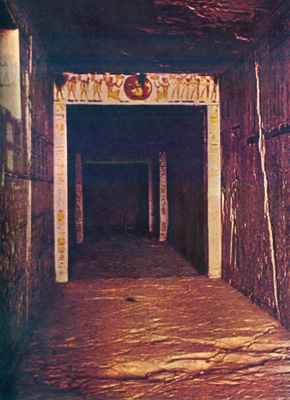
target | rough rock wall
x=26, y=224
x=255, y=113
x=42, y=251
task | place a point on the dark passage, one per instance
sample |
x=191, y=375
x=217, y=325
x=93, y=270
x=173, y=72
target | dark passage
x=115, y=199
x=117, y=145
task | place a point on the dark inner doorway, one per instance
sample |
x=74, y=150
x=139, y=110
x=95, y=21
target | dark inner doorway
x=116, y=144
x=115, y=199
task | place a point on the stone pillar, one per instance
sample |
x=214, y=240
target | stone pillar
x=150, y=198
x=79, y=208
x=214, y=192
x=60, y=192
x=163, y=197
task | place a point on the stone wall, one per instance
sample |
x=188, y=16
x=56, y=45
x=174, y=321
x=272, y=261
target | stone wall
x=42, y=251
x=26, y=194
x=255, y=114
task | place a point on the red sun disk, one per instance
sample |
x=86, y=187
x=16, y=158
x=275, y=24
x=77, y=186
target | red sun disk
x=135, y=90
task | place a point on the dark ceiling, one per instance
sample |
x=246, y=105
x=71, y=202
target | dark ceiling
x=136, y=35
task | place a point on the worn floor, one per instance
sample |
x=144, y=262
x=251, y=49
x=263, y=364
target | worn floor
x=128, y=256
x=110, y=337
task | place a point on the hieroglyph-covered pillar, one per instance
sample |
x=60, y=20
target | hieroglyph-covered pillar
x=79, y=208
x=60, y=193
x=214, y=192
x=163, y=197
x=150, y=198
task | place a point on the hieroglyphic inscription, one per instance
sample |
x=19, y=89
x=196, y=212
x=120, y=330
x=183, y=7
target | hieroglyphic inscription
x=60, y=192
x=79, y=213
x=163, y=197
x=214, y=192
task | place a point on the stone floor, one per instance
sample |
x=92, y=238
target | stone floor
x=128, y=256
x=153, y=338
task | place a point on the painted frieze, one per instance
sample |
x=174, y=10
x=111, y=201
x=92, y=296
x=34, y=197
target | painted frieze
x=149, y=88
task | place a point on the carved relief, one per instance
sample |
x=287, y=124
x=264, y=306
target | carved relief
x=138, y=87
x=151, y=88
x=114, y=84
x=97, y=82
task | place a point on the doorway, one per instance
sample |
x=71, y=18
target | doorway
x=121, y=166
x=202, y=91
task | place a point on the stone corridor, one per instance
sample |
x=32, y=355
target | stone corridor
x=137, y=322
x=170, y=118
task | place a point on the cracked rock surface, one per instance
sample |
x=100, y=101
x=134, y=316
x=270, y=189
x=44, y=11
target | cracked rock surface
x=129, y=256
x=151, y=338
